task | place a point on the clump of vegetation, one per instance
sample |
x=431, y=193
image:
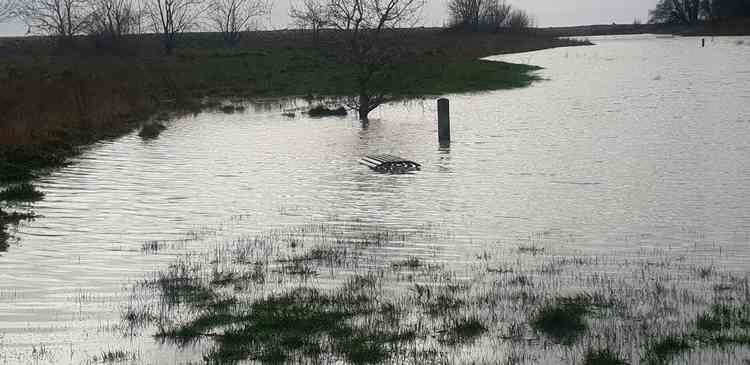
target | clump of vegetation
x=150, y=247
x=230, y=109
x=323, y=111
x=7, y=219
x=295, y=324
x=531, y=249
x=563, y=320
x=23, y=192
x=4, y=236
x=462, y=330
x=114, y=356
x=603, y=357
x=722, y=316
x=412, y=263
x=151, y=130
x=663, y=350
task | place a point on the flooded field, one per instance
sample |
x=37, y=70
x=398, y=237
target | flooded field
x=603, y=213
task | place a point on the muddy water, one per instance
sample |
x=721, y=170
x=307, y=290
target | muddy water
x=637, y=143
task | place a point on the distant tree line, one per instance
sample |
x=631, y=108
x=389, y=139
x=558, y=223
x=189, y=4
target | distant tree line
x=108, y=21
x=694, y=11
x=486, y=15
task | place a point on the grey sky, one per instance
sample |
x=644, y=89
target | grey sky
x=546, y=13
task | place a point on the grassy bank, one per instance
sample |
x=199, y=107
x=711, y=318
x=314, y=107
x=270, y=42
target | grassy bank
x=323, y=294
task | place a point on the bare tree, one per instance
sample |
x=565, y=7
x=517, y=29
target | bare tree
x=8, y=9
x=496, y=14
x=110, y=20
x=170, y=18
x=373, y=51
x=711, y=10
x=519, y=19
x=478, y=15
x=312, y=15
x=677, y=11
x=232, y=17
x=62, y=18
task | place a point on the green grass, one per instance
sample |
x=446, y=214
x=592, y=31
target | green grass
x=151, y=130
x=23, y=192
x=358, y=309
x=291, y=324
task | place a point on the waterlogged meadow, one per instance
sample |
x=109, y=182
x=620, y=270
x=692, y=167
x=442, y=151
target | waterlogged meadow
x=319, y=294
x=598, y=216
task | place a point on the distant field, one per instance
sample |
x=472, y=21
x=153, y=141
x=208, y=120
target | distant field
x=729, y=27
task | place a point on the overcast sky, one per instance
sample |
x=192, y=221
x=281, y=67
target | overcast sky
x=546, y=12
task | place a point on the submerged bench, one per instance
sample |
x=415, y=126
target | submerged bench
x=389, y=163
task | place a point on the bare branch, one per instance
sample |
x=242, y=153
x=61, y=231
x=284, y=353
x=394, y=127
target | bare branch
x=479, y=15
x=8, y=9
x=232, y=17
x=372, y=53
x=519, y=19
x=63, y=18
x=170, y=18
x=312, y=15
x=110, y=20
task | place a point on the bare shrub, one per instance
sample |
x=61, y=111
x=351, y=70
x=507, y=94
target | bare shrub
x=478, y=15
x=313, y=15
x=110, y=20
x=519, y=19
x=232, y=17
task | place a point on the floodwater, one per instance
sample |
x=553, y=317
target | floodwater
x=637, y=143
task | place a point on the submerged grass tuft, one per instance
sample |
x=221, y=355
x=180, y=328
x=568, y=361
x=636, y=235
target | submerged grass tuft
x=662, y=351
x=114, y=356
x=603, y=357
x=323, y=111
x=462, y=331
x=562, y=322
x=251, y=303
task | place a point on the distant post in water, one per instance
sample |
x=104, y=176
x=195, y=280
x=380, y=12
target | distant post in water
x=444, y=121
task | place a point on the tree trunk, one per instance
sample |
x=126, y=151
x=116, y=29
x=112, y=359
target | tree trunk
x=364, y=106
